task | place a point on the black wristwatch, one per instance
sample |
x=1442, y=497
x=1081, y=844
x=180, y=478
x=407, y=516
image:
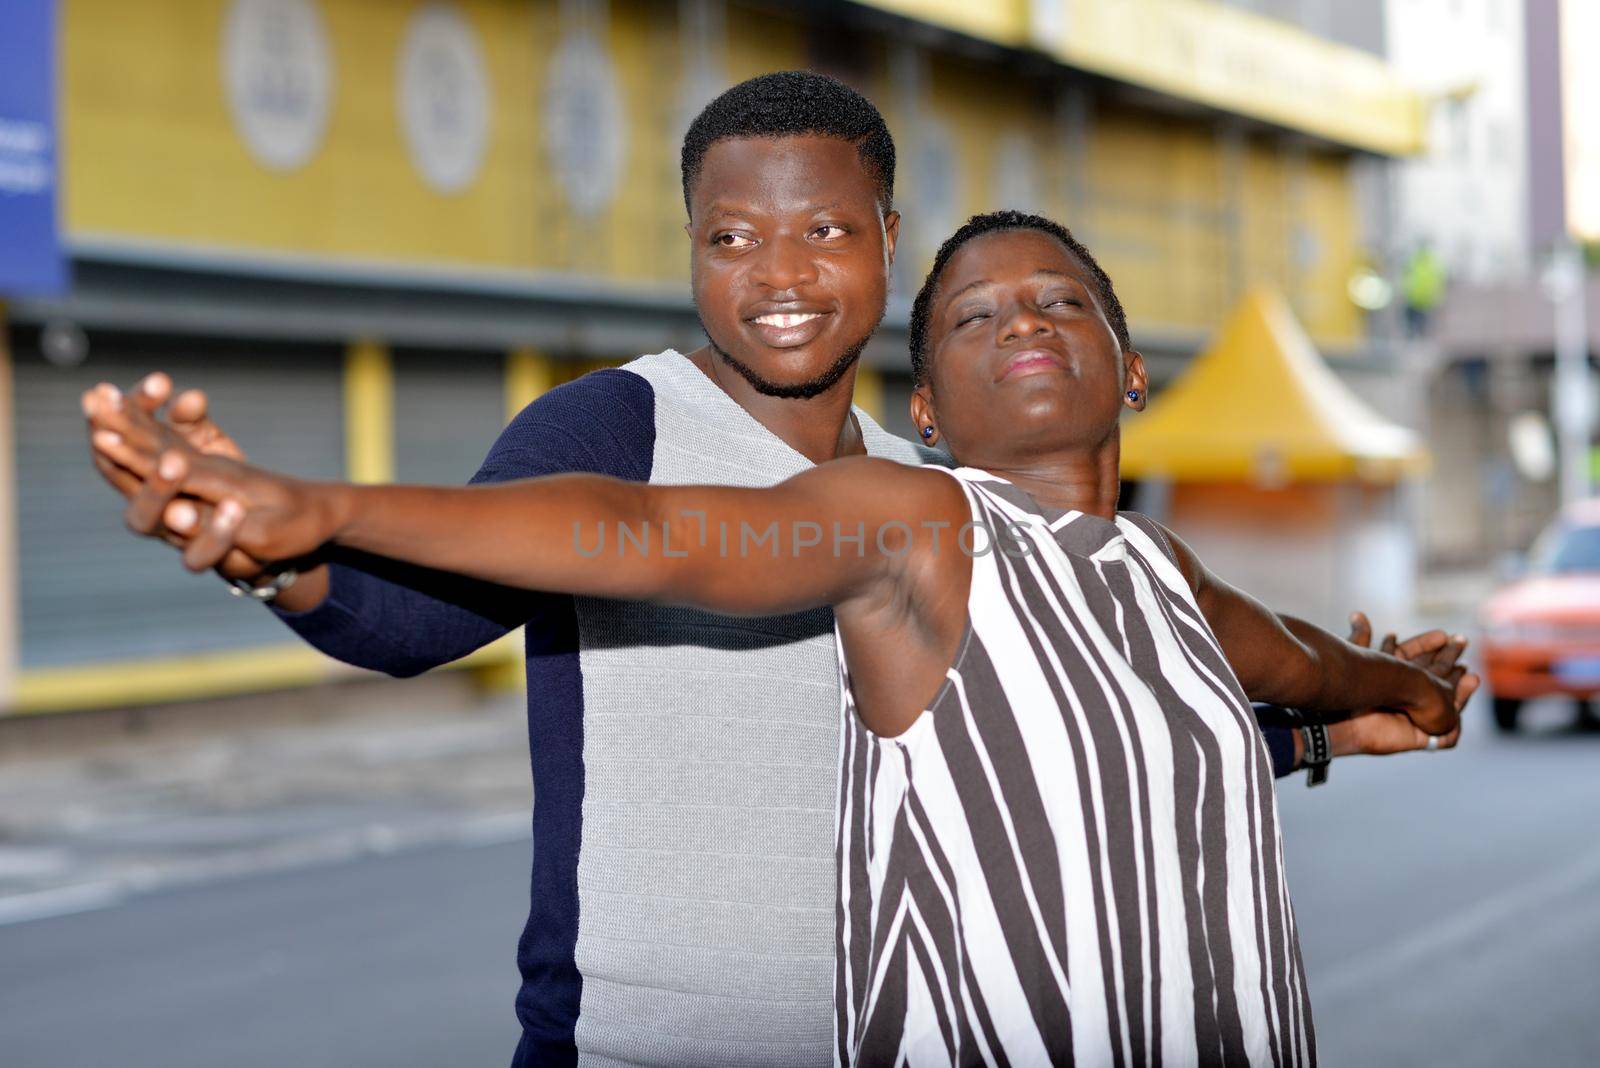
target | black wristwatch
x=1318, y=753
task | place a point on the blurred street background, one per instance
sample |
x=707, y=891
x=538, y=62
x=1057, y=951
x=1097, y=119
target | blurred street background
x=1356, y=240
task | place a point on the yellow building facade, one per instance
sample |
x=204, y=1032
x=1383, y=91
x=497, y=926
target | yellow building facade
x=415, y=216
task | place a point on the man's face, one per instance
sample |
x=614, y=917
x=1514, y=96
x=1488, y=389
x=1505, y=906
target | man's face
x=790, y=258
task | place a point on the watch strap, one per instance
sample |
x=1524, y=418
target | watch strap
x=1318, y=753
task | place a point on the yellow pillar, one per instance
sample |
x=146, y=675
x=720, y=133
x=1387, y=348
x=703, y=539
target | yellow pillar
x=869, y=391
x=529, y=375
x=368, y=412
x=10, y=616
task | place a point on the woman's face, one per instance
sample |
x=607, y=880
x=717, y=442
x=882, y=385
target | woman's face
x=1022, y=360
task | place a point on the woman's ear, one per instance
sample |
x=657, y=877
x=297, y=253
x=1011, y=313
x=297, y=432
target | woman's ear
x=922, y=416
x=1138, y=383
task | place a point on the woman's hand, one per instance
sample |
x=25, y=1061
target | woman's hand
x=117, y=419
x=1376, y=732
x=266, y=516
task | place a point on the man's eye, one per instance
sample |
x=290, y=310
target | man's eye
x=828, y=231
x=733, y=241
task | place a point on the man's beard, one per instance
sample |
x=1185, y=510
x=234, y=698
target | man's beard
x=800, y=390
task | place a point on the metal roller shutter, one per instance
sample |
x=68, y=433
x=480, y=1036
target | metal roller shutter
x=448, y=409
x=89, y=590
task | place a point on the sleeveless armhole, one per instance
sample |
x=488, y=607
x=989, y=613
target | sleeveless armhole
x=968, y=632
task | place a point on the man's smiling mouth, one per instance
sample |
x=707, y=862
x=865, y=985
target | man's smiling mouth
x=790, y=329
x=786, y=319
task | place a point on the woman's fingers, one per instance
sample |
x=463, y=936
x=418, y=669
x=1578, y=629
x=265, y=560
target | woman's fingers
x=1445, y=658
x=184, y=517
x=121, y=479
x=216, y=479
x=119, y=450
x=144, y=513
x=216, y=537
x=1360, y=629
x=1414, y=648
x=108, y=411
x=152, y=391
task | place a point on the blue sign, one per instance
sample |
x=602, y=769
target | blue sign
x=31, y=258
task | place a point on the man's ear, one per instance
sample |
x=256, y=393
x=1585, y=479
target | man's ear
x=1137, y=379
x=922, y=415
x=891, y=235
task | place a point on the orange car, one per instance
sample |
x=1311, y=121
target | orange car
x=1542, y=632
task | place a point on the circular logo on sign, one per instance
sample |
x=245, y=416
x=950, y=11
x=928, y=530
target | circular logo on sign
x=444, y=98
x=584, y=124
x=279, y=78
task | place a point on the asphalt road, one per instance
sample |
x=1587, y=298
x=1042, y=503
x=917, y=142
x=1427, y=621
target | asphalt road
x=397, y=961
x=1449, y=907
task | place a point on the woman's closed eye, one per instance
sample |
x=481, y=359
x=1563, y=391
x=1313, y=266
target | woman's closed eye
x=971, y=316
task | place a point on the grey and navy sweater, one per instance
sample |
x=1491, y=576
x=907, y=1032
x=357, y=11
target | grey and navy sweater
x=683, y=762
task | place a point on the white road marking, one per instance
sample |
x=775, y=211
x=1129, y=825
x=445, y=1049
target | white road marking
x=380, y=839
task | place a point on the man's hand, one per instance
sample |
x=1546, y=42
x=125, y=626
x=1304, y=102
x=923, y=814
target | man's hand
x=1376, y=732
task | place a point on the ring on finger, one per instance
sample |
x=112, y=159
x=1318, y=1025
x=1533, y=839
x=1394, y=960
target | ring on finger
x=1433, y=743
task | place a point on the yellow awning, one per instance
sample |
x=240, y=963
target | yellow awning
x=1259, y=405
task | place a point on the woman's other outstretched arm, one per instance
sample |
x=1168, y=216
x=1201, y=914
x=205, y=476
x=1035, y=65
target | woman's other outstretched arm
x=1290, y=662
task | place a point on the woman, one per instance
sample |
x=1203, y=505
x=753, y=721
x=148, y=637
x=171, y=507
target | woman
x=1057, y=834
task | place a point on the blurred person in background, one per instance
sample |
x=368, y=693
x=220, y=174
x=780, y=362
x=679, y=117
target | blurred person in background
x=708, y=938
x=1422, y=284
x=987, y=848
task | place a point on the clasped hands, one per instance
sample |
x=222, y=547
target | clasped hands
x=194, y=489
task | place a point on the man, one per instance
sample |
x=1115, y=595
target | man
x=682, y=892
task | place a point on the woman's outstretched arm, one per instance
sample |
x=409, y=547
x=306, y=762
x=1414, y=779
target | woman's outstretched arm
x=1291, y=662
x=834, y=533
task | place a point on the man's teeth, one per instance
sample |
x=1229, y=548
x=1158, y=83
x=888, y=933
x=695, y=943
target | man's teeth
x=788, y=319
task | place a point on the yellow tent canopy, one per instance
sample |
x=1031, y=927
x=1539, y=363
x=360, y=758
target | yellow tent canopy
x=1259, y=405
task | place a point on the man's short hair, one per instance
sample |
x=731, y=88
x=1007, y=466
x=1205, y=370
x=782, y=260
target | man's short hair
x=790, y=103
x=995, y=222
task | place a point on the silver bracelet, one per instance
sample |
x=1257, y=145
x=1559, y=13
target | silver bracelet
x=267, y=592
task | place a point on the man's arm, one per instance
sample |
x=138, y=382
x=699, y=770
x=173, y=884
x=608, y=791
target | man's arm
x=1295, y=664
x=393, y=617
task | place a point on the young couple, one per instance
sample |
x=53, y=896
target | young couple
x=1047, y=831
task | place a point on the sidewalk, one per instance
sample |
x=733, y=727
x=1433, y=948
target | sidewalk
x=97, y=806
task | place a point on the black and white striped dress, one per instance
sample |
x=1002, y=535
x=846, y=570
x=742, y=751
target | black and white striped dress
x=1073, y=855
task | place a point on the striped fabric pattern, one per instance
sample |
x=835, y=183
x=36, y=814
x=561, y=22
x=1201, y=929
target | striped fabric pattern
x=1073, y=856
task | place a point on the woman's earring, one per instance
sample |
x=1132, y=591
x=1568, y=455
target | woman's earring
x=927, y=432
x=1133, y=396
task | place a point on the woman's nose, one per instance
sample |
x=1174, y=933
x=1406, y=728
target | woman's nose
x=1024, y=320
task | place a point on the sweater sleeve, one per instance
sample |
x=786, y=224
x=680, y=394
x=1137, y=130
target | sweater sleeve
x=1280, y=742
x=403, y=620
x=1277, y=725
